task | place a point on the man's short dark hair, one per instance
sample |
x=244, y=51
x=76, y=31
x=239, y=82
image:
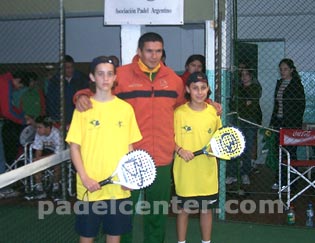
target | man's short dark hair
x=69, y=58
x=45, y=120
x=23, y=76
x=148, y=37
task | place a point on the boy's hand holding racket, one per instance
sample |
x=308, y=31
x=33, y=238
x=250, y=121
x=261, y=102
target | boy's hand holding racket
x=135, y=170
x=90, y=184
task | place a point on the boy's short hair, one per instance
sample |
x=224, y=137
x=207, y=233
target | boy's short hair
x=23, y=76
x=102, y=59
x=32, y=76
x=45, y=120
x=99, y=60
x=69, y=59
x=115, y=59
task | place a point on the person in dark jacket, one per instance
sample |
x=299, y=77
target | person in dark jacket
x=246, y=103
x=73, y=82
x=289, y=103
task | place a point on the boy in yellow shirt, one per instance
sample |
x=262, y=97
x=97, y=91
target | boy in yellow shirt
x=98, y=138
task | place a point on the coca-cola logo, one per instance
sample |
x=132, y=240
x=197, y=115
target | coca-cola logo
x=301, y=134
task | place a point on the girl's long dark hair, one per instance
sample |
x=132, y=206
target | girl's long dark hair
x=290, y=63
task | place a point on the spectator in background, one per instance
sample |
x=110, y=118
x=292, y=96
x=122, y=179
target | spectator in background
x=33, y=100
x=197, y=63
x=47, y=141
x=14, y=123
x=49, y=73
x=246, y=103
x=194, y=63
x=12, y=120
x=73, y=81
x=289, y=106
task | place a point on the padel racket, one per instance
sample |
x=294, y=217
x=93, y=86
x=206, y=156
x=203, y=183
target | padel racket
x=135, y=170
x=226, y=143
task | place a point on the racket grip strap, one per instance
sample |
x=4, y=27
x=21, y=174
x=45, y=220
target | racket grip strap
x=199, y=152
x=105, y=182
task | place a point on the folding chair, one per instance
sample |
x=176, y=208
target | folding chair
x=26, y=139
x=295, y=137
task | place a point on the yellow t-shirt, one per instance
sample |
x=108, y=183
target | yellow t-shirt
x=104, y=134
x=193, y=130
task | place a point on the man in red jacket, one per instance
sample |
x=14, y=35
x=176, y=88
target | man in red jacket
x=154, y=91
x=11, y=121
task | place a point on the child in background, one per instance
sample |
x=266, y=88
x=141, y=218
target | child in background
x=47, y=141
x=195, y=123
x=98, y=138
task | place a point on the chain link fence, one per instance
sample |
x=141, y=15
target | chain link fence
x=254, y=37
x=31, y=54
x=267, y=58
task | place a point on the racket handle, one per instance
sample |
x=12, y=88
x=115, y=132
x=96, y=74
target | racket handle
x=199, y=152
x=105, y=182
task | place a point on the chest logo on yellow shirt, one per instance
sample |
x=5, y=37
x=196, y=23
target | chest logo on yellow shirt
x=187, y=128
x=95, y=123
x=209, y=130
x=119, y=123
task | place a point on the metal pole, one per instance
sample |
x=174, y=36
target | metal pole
x=62, y=98
x=219, y=97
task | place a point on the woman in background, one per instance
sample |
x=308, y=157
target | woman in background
x=289, y=104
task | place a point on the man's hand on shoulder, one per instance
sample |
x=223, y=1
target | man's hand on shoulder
x=217, y=106
x=83, y=103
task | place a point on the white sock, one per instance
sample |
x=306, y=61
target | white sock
x=203, y=241
x=55, y=186
x=182, y=241
x=39, y=186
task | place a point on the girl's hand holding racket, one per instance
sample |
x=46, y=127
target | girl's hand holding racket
x=226, y=143
x=185, y=154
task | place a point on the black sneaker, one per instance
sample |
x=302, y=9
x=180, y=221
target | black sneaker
x=36, y=195
x=39, y=194
x=8, y=192
x=56, y=195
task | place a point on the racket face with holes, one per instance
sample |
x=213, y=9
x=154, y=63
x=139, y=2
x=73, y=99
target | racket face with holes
x=136, y=170
x=227, y=143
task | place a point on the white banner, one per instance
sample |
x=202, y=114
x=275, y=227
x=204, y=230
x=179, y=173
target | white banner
x=144, y=12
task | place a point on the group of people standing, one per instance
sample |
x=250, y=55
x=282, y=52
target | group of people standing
x=26, y=96
x=155, y=92
x=146, y=105
x=170, y=118
x=288, y=111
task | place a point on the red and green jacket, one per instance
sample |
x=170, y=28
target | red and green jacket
x=7, y=109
